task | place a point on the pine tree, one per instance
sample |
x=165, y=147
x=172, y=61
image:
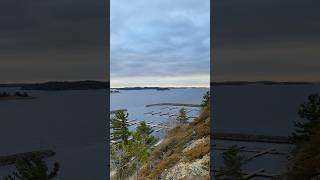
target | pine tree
x=121, y=149
x=206, y=100
x=144, y=133
x=233, y=163
x=182, y=118
x=120, y=128
x=141, y=144
x=32, y=168
x=309, y=113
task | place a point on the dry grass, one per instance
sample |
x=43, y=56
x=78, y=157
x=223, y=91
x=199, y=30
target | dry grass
x=169, y=152
x=198, y=152
x=164, y=164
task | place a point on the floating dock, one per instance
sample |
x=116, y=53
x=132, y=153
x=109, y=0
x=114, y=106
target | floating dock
x=251, y=138
x=174, y=104
x=114, y=111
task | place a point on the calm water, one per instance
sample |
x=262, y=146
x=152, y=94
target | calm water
x=71, y=123
x=136, y=100
x=258, y=109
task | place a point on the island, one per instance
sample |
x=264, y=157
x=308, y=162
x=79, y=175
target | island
x=15, y=96
x=11, y=159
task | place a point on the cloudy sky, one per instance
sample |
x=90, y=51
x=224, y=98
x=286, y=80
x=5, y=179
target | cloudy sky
x=267, y=40
x=160, y=43
x=42, y=40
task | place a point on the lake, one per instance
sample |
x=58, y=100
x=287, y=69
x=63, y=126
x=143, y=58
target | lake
x=71, y=123
x=135, y=102
x=258, y=109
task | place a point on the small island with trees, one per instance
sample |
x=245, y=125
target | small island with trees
x=14, y=96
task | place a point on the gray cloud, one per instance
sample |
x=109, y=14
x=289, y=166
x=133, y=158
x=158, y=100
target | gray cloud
x=159, y=39
x=47, y=36
x=267, y=40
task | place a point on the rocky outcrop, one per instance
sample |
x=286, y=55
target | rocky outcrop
x=189, y=170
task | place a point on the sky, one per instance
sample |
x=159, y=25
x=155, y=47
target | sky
x=266, y=40
x=159, y=43
x=45, y=40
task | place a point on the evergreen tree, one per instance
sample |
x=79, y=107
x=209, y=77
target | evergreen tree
x=143, y=133
x=182, y=118
x=131, y=148
x=206, y=99
x=309, y=113
x=121, y=149
x=120, y=128
x=141, y=144
x=233, y=163
x=142, y=141
x=32, y=168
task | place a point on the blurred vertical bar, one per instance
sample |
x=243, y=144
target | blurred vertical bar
x=212, y=26
x=108, y=77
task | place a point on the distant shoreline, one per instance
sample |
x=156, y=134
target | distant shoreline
x=156, y=88
x=81, y=85
x=243, y=83
x=98, y=85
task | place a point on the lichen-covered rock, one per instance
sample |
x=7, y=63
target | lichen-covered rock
x=195, y=143
x=188, y=170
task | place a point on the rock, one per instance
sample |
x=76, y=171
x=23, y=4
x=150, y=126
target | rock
x=195, y=143
x=185, y=170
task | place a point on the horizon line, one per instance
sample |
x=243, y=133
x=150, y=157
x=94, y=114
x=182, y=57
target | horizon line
x=160, y=87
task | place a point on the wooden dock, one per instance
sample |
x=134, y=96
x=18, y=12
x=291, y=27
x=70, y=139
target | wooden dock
x=242, y=149
x=151, y=124
x=174, y=104
x=251, y=138
x=267, y=151
x=250, y=174
x=115, y=111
